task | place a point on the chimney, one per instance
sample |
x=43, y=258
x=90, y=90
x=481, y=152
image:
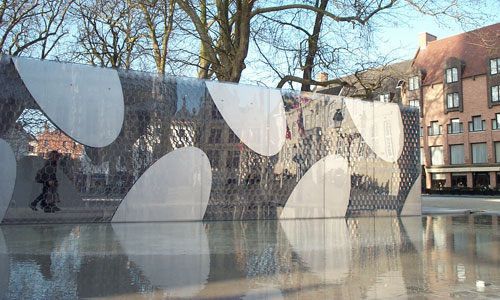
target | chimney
x=424, y=39
x=322, y=76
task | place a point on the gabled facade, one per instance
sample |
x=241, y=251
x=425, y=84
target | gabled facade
x=456, y=83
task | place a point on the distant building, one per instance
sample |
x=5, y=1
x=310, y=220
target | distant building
x=56, y=140
x=382, y=84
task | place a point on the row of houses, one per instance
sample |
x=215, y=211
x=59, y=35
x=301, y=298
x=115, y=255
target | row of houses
x=455, y=82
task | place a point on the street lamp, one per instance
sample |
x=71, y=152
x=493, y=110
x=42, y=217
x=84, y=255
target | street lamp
x=337, y=119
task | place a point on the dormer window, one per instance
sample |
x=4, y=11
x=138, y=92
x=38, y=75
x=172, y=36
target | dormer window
x=495, y=93
x=384, y=98
x=452, y=100
x=413, y=83
x=451, y=75
x=494, y=66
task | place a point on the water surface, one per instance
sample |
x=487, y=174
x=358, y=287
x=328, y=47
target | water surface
x=363, y=258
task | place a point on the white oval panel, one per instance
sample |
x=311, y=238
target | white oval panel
x=175, y=188
x=322, y=245
x=83, y=101
x=173, y=256
x=380, y=125
x=323, y=192
x=8, y=173
x=256, y=115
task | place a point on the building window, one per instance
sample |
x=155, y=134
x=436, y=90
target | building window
x=233, y=159
x=458, y=180
x=495, y=93
x=413, y=83
x=232, y=138
x=479, y=153
x=384, y=98
x=452, y=100
x=497, y=153
x=481, y=179
x=215, y=136
x=421, y=131
x=495, y=123
x=494, y=66
x=438, y=181
x=422, y=156
x=435, y=129
x=437, y=156
x=457, y=155
x=215, y=113
x=415, y=103
x=455, y=127
x=451, y=75
x=477, y=124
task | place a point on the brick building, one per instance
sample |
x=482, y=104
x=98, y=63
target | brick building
x=50, y=140
x=455, y=82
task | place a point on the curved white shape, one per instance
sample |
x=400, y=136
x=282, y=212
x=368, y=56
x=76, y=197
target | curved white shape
x=323, y=192
x=173, y=256
x=83, y=101
x=414, y=230
x=323, y=245
x=380, y=125
x=175, y=188
x=8, y=173
x=413, y=202
x=256, y=115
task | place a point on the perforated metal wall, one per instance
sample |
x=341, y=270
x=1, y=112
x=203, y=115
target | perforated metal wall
x=162, y=149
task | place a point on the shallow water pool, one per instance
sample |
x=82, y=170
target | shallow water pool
x=446, y=257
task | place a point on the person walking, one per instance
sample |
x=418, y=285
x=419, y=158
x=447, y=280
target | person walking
x=48, y=178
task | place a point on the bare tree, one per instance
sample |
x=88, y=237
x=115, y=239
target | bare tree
x=158, y=18
x=225, y=29
x=32, y=27
x=110, y=32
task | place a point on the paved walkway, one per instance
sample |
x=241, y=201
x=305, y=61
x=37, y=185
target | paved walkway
x=439, y=204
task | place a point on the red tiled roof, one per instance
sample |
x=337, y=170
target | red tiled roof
x=473, y=47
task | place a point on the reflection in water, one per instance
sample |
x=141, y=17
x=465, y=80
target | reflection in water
x=362, y=258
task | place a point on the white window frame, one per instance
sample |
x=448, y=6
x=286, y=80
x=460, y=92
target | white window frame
x=384, y=98
x=452, y=100
x=495, y=93
x=451, y=75
x=494, y=66
x=413, y=83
